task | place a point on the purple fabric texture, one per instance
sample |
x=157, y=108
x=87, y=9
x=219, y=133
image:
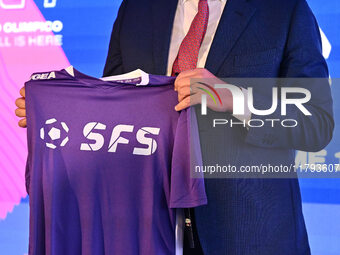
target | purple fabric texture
x=108, y=162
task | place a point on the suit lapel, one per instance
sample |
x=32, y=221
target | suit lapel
x=235, y=18
x=163, y=13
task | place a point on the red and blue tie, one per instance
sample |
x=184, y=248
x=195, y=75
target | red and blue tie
x=188, y=51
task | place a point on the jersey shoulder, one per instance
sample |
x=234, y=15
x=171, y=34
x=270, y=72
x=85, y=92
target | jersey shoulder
x=50, y=75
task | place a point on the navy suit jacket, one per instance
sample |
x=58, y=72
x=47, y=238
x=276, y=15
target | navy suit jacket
x=255, y=38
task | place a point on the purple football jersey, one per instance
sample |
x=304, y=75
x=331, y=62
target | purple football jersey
x=108, y=162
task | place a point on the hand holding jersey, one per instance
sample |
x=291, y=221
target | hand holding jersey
x=185, y=65
x=190, y=94
x=21, y=110
x=186, y=62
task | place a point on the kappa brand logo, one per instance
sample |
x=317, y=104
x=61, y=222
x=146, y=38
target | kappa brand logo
x=55, y=132
x=92, y=132
x=43, y=76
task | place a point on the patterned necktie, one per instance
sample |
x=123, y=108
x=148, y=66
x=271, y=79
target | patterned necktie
x=188, y=51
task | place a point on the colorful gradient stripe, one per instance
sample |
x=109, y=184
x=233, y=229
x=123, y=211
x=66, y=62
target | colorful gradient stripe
x=209, y=93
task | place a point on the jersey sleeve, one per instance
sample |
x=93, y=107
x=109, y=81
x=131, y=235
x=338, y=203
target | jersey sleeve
x=186, y=191
x=30, y=133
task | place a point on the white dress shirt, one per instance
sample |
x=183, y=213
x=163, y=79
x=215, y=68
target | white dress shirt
x=185, y=14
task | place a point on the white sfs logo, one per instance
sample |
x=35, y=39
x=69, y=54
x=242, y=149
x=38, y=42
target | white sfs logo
x=57, y=136
x=20, y=4
x=56, y=133
x=91, y=129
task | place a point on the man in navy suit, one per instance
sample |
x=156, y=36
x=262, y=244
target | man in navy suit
x=243, y=38
x=236, y=38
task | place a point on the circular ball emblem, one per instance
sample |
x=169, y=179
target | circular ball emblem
x=54, y=133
